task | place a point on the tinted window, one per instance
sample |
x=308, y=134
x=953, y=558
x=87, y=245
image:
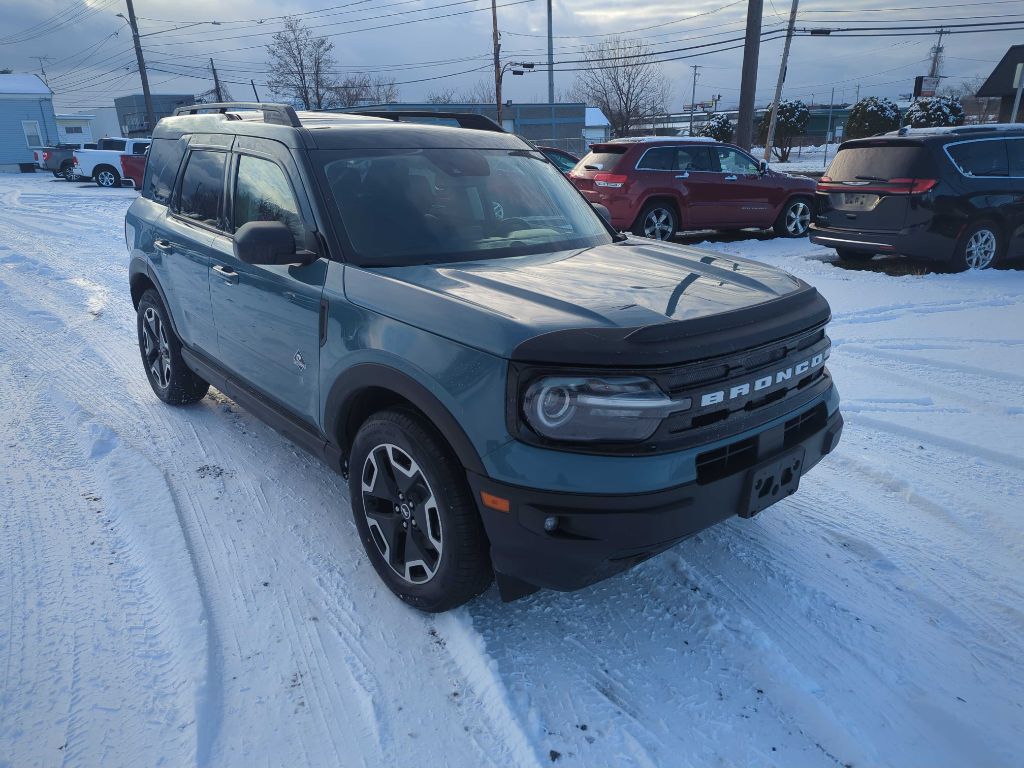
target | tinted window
x=1015, y=149
x=115, y=144
x=657, y=159
x=980, y=158
x=605, y=160
x=202, y=187
x=883, y=162
x=139, y=149
x=734, y=161
x=262, y=193
x=694, y=159
x=564, y=163
x=162, y=167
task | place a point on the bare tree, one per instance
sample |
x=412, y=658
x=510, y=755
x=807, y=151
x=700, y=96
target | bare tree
x=301, y=66
x=976, y=110
x=619, y=77
x=444, y=96
x=482, y=92
x=362, y=88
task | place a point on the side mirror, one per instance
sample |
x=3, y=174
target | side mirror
x=762, y=167
x=266, y=242
x=605, y=213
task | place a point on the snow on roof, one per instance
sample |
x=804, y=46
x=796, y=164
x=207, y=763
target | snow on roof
x=956, y=129
x=645, y=139
x=23, y=84
x=595, y=117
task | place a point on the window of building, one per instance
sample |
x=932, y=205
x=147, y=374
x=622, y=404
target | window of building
x=73, y=129
x=32, y=136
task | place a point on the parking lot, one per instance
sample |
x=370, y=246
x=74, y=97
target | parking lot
x=187, y=584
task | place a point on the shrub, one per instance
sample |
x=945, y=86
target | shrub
x=717, y=127
x=792, y=122
x=934, y=112
x=872, y=116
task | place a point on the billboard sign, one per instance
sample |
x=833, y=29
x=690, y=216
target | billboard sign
x=925, y=86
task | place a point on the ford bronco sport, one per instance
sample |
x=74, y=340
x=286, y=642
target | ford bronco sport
x=511, y=388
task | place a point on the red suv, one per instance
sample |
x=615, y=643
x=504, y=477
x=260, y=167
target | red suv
x=659, y=185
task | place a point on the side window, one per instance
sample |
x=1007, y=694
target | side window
x=202, y=187
x=694, y=159
x=116, y=145
x=564, y=163
x=657, y=159
x=162, y=168
x=262, y=193
x=1015, y=150
x=139, y=148
x=733, y=161
x=980, y=158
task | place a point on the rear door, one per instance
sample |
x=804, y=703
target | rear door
x=1015, y=219
x=697, y=182
x=868, y=187
x=268, y=317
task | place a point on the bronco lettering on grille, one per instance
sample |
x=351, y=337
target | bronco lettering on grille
x=764, y=382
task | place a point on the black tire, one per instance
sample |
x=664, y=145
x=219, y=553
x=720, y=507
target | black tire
x=980, y=247
x=794, y=218
x=57, y=174
x=415, y=493
x=67, y=171
x=658, y=220
x=845, y=254
x=171, y=380
x=107, y=177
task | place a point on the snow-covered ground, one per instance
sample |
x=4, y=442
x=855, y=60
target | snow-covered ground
x=183, y=586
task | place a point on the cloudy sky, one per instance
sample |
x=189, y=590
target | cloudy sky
x=433, y=45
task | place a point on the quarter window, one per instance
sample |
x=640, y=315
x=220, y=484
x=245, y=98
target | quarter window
x=262, y=193
x=657, y=159
x=202, y=187
x=734, y=161
x=161, y=169
x=980, y=158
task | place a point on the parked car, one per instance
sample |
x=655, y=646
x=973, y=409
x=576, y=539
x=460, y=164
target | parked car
x=656, y=186
x=532, y=395
x=564, y=161
x=59, y=160
x=133, y=168
x=103, y=164
x=955, y=196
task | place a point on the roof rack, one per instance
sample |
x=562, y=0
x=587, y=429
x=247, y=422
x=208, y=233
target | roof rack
x=464, y=119
x=279, y=114
x=956, y=130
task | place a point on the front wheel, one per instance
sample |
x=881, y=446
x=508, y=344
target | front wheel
x=171, y=380
x=415, y=513
x=657, y=221
x=794, y=218
x=979, y=247
x=108, y=177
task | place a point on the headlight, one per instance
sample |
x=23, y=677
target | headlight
x=591, y=408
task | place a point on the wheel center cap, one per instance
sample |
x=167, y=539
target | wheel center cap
x=406, y=512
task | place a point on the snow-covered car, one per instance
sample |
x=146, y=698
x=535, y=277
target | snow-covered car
x=103, y=164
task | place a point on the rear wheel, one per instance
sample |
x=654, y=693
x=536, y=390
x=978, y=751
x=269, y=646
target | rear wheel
x=67, y=170
x=415, y=513
x=171, y=380
x=657, y=221
x=979, y=248
x=794, y=219
x=108, y=177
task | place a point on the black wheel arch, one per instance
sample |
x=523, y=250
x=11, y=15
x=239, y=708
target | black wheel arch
x=141, y=279
x=366, y=388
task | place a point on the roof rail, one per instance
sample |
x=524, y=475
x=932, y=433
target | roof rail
x=279, y=114
x=464, y=119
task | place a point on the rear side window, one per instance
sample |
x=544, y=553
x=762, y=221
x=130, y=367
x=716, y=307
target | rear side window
x=262, y=193
x=881, y=163
x=161, y=169
x=139, y=148
x=202, y=187
x=980, y=158
x=1015, y=150
x=657, y=159
x=115, y=144
x=602, y=161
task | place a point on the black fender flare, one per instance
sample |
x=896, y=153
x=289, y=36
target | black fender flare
x=140, y=268
x=363, y=376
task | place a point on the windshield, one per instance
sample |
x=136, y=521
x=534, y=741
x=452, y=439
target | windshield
x=423, y=206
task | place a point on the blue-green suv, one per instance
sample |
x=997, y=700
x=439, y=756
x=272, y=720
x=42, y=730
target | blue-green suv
x=511, y=388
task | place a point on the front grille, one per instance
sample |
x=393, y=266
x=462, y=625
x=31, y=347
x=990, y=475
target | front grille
x=725, y=461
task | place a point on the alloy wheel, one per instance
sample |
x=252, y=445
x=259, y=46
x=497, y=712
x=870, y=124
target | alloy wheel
x=156, y=348
x=658, y=224
x=106, y=178
x=798, y=218
x=401, y=513
x=980, y=249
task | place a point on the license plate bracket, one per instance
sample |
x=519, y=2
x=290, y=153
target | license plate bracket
x=771, y=481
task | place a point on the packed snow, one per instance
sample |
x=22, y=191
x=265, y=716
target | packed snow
x=185, y=587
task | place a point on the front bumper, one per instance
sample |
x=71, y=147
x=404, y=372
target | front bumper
x=597, y=536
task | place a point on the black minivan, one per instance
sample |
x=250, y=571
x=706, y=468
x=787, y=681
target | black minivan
x=953, y=195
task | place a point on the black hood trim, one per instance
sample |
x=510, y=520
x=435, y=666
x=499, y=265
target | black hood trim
x=680, y=341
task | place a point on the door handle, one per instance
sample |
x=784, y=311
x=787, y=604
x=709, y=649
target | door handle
x=163, y=245
x=227, y=274
x=731, y=177
x=685, y=175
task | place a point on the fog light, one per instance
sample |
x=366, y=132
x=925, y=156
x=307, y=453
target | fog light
x=550, y=523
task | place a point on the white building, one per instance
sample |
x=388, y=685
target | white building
x=75, y=129
x=596, y=128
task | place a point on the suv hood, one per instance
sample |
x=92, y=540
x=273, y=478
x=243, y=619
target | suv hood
x=632, y=303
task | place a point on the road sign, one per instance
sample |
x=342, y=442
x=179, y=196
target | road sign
x=925, y=86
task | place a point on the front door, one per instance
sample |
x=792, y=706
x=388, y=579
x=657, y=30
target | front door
x=747, y=196
x=268, y=316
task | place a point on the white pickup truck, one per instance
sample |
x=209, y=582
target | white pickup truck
x=103, y=164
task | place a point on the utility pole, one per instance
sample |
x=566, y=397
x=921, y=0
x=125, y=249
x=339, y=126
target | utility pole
x=693, y=95
x=828, y=132
x=857, y=98
x=216, y=82
x=42, y=69
x=254, y=92
x=778, y=85
x=496, y=41
x=937, y=50
x=551, y=60
x=748, y=83
x=146, y=95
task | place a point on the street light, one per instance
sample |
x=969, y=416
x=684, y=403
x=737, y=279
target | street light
x=516, y=68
